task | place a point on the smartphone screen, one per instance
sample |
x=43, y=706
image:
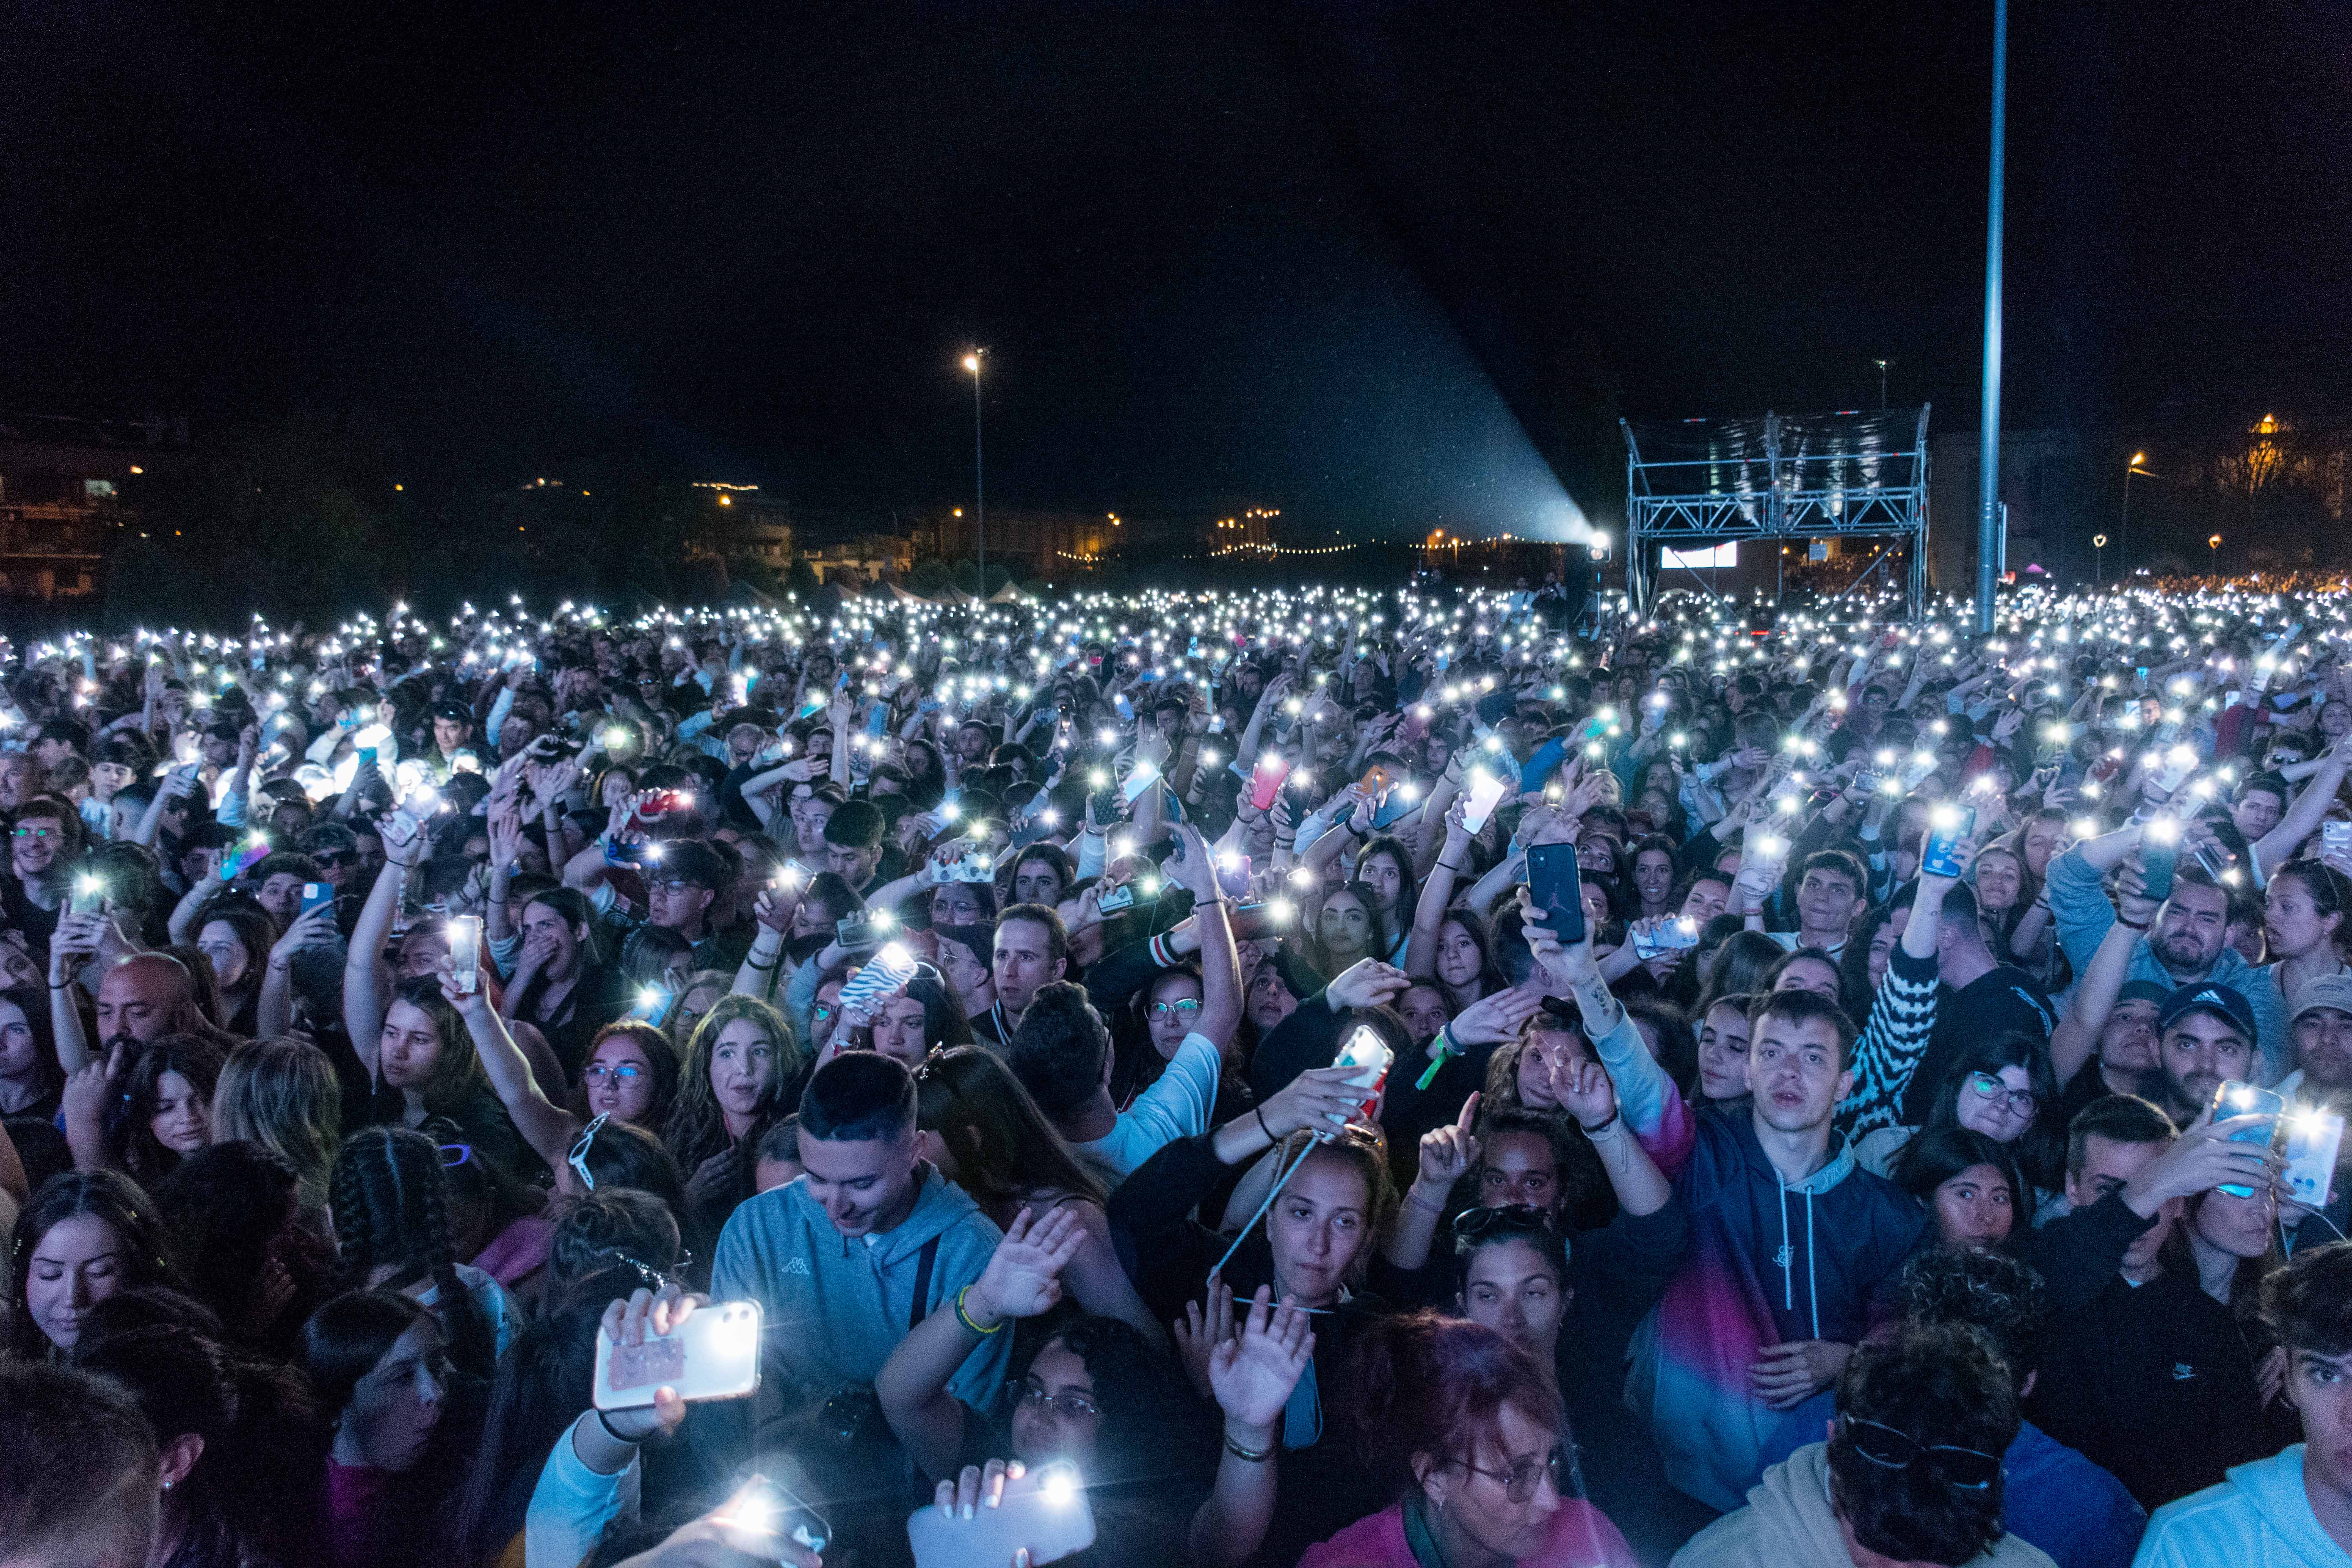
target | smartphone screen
x=1556, y=889
x=2247, y=1099
x=466, y=951
x=2157, y=861
x=1484, y=793
x=1044, y=1515
x=1948, y=825
x=715, y=1354
x=2314, y=1137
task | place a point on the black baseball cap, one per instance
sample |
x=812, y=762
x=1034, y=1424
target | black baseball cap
x=2224, y=1002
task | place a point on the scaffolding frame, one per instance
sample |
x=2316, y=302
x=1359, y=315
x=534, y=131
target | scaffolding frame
x=1832, y=475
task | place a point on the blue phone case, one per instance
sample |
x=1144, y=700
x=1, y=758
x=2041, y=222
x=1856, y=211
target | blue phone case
x=1548, y=756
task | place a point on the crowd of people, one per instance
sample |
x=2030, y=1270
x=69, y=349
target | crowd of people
x=1133, y=1056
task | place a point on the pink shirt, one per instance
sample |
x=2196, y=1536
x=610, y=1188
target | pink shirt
x=1581, y=1537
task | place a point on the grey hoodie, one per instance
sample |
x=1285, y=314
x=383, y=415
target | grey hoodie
x=837, y=1306
x=2259, y=1517
x=1789, y=1523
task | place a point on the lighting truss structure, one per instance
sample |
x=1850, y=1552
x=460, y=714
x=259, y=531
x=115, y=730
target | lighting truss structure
x=1694, y=484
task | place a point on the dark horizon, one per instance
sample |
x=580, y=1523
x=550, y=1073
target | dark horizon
x=1383, y=269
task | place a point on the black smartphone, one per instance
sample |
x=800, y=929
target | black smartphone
x=860, y=931
x=2158, y=859
x=1556, y=890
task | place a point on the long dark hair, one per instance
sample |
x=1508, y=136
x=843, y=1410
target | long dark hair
x=249, y=1495
x=233, y=1207
x=149, y=1258
x=543, y=1382
x=2041, y=1147
x=349, y=1336
x=1936, y=1154
x=697, y=1129
x=35, y=1005
x=1000, y=1141
x=195, y=1058
x=390, y=1206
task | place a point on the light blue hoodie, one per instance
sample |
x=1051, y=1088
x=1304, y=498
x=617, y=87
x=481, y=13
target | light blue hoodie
x=837, y=1306
x=2259, y=1517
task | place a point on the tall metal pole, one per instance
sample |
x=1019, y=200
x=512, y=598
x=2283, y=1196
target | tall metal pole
x=979, y=489
x=1988, y=445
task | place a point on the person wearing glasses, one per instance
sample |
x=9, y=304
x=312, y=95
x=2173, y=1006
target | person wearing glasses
x=1911, y=1472
x=2001, y=1087
x=44, y=841
x=1095, y=1392
x=1463, y=1428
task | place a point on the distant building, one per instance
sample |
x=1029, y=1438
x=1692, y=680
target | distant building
x=867, y=559
x=68, y=492
x=1031, y=543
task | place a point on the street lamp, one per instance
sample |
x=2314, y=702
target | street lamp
x=2213, y=547
x=2099, y=544
x=1882, y=364
x=978, y=491
x=2122, y=534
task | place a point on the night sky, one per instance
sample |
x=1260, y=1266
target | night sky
x=1383, y=266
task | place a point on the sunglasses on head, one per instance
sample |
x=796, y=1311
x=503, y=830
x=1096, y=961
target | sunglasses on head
x=1966, y=1469
x=578, y=1158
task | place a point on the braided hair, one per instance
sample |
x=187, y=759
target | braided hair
x=390, y=1206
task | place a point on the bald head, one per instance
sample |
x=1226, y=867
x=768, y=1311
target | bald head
x=143, y=998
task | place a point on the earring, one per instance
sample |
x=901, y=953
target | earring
x=167, y=1485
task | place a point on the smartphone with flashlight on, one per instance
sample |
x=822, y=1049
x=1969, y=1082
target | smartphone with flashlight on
x=1947, y=826
x=466, y=952
x=1044, y=1514
x=2311, y=1139
x=88, y=895
x=765, y=1507
x=2247, y=1099
x=714, y=1355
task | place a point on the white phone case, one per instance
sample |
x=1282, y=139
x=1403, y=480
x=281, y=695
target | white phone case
x=715, y=1354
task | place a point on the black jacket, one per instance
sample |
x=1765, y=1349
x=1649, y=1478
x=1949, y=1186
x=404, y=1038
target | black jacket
x=2155, y=1384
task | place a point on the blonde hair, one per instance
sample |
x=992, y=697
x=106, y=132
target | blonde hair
x=283, y=1095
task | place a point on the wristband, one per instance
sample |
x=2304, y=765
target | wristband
x=2127, y=925
x=965, y=1318
x=1616, y=1120
x=1259, y=1111
x=625, y=1442
x=1247, y=1455
x=1412, y=1196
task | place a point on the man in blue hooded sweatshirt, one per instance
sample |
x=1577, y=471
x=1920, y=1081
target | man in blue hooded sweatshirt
x=848, y=1257
x=2294, y=1509
x=1794, y=1252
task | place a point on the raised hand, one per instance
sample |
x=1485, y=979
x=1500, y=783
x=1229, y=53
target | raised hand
x=1252, y=1375
x=1583, y=1089
x=1311, y=1100
x=1023, y=1277
x=1367, y=983
x=1497, y=1016
x=630, y=1322
x=1447, y=1154
x=1200, y=1330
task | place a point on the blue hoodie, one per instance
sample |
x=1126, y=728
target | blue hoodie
x=2259, y=1517
x=1770, y=1261
x=837, y=1306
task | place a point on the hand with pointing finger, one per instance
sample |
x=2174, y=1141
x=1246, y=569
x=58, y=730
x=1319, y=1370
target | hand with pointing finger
x=1446, y=1155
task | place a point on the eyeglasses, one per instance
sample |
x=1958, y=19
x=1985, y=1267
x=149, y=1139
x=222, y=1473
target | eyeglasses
x=1969, y=1469
x=675, y=888
x=454, y=1153
x=601, y=1072
x=336, y=857
x=38, y=833
x=823, y=1012
x=1988, y=1087
x=578, y=1158
x=1069, y=1405
x=1519, y=1481
x=1182, y=1007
